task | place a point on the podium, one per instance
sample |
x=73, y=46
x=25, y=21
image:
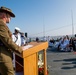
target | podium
x=27, y=63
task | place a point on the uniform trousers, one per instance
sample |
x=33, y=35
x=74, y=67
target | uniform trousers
x=6, y=68
x=6, y=65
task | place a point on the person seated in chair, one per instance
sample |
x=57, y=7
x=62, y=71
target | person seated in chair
x=72, y=44
x=64, y=44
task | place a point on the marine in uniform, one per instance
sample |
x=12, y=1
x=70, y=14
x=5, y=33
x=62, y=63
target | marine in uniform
x=7, y=46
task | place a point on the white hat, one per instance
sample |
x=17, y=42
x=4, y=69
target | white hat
x=17, y=28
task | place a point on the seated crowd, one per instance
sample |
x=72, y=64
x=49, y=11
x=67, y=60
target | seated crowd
x=65, y=44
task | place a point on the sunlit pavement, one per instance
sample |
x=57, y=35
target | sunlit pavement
x=61, y=63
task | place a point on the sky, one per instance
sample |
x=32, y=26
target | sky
x=43, y=17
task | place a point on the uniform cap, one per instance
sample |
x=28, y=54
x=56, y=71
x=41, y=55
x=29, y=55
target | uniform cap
x=7, y=10
x=16, y=28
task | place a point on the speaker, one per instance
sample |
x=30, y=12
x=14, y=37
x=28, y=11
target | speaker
x=25, y=34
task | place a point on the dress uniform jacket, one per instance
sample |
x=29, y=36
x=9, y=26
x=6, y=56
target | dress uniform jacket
x=8, y=45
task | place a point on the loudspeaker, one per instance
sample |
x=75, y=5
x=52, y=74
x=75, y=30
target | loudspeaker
x=25, y=34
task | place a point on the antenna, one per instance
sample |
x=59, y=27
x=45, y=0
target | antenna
x=43, y=27
x=72, y=23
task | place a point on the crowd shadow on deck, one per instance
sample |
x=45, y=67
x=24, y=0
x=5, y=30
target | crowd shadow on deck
x=67, y=63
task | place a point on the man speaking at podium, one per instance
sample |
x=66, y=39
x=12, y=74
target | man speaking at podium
x=7, y=46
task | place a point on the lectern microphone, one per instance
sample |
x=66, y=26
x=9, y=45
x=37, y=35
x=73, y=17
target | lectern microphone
x=26, y=35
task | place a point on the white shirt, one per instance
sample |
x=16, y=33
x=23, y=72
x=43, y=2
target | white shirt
x=17, y=39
